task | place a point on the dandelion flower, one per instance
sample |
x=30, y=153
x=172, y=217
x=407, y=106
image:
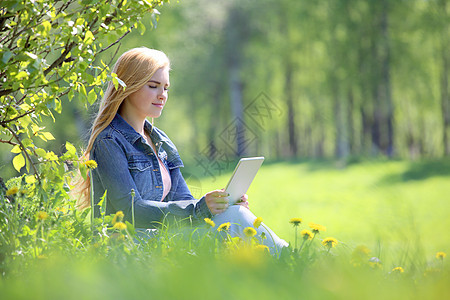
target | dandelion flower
x=306, y=234
x=91, y=164
x=316, y=227
x=257, y=222
x=118, y=217
x=329, y=242
x=441, y=255
x=295, y=221
x=398, y=270
x=62, y=210
x=120, y=226
x=224, y=227
x=250, y=231
x=42, y=215
x=12, y=191
x=262, y=248
x=209, y=222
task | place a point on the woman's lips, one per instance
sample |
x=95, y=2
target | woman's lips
x=158, y=105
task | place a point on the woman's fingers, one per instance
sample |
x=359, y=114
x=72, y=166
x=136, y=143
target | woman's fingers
x=217, y=201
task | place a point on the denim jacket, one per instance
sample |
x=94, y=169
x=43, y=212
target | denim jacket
x=125, y=162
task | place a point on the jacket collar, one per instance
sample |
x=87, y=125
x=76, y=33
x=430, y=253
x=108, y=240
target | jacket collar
x=158, y=137
x=119, y=124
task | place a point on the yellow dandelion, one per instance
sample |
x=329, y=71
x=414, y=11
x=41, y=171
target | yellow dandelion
x=262, y=248
x=398, y=270
x=250, y=231
x=209, y=222
x=118, y=217
x=257, y=222
x=91, y=164
x=42, y=215
x=329, y=242
x=295, y=221
x=361, y=250
x=316, y=227
x=120, y=226
x=224, y=227
x=62, y=210
x=306, y=234
x=441, y=255
x=12, y=191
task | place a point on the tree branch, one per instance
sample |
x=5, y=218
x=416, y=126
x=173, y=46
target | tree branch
x=25, y=152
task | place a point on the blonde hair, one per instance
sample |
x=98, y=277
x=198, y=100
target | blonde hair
x=135, y=68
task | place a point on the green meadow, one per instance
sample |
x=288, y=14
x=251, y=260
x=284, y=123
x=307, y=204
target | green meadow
x=395, y=205
x=384, y=215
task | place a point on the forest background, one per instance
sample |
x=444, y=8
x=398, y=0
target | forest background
x=293, y=80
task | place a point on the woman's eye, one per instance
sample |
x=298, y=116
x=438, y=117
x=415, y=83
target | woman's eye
x=152, y=86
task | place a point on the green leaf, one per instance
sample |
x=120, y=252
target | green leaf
x=70, y=148
x=88, y=37
x=48, y=135
x=6, y=56
x=18, y=162
x=92, y=97
x=41, y=152
x=16, y=149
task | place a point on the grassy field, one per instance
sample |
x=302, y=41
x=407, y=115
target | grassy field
x=389, y=206
x=397, y=210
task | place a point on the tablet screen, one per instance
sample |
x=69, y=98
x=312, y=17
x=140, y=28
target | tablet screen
x=242, y=177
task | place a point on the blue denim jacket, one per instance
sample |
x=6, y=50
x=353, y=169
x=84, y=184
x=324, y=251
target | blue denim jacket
x=125, y=162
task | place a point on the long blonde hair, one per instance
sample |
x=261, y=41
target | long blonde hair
x=135, y=68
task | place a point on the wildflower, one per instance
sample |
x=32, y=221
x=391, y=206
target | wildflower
x=398, y=270
x=209, y=222
x=12, y=191
x=120, y=226
x=257, y=222
x=441, y=255
x=375, y=262
x=250, y=231
x=306, y=234
x=224, y=227
x=262, y=248
x=63, y=210
x=316, y=227
x=118, y=217
x=90, y=164
x=42, y=215
x=295, y=221
x=360, y=255
x=329, y=242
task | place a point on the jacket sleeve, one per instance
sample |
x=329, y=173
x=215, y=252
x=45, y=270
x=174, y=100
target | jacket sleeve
x=113, y=175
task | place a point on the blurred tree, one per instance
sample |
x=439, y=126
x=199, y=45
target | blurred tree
x=47, y=52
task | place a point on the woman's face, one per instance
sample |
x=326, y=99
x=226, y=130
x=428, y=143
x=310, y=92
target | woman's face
x=149, y=100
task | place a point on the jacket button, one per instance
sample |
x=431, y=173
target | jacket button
x=155, y=170
x=158, y=186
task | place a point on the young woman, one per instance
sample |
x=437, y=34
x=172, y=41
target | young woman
x=132, y=154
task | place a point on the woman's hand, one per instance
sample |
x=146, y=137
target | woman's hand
x=217, y=201
x=243, y=201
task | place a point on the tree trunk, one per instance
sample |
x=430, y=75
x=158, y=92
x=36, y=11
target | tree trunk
x=235, y=41
x=445, y=99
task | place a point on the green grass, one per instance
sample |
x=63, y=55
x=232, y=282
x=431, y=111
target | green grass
x=397, y=209
x=387, y=205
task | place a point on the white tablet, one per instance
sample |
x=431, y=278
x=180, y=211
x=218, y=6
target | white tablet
x=242, y=177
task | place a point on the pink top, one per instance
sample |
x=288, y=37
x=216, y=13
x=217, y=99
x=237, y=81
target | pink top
x=167, y=182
